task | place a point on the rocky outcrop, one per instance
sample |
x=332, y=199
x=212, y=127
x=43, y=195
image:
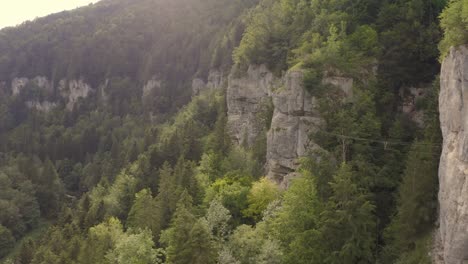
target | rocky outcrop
x=453, y=169
x=294, y=118
x=44, y=106
x=41, y=82
x=215, y=81
x=247, y=97
x=73, y=90
x=150, y=86
x=70, y=90
x=409, y=97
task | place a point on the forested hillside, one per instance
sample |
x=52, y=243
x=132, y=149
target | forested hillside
x=109, y=156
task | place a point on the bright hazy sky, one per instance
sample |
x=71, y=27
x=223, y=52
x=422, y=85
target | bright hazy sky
x=14, y=12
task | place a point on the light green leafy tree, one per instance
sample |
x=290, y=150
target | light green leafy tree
x=262, y=193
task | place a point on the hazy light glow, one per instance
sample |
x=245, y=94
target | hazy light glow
x=14, y=12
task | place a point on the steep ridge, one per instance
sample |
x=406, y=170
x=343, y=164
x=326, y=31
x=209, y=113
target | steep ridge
x=453, y=169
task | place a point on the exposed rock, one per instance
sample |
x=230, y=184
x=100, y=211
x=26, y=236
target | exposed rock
x=103, y=97
x=453, y=169
x=150, y=86
x=409, y=98
x=19, y=83
x=215, y=81
x=43, y=83
x=197, y=86
x=248, y=96
x=294, y=118
x=44, y=106
x=73, y=90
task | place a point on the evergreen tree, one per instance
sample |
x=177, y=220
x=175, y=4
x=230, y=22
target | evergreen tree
x=144, y=213
x=49, y=190
x=168, y=195
x=201, y=245
x=26, y=252
x=297, y=222
x=7, y=241
x=416, y=203
x=347, y=226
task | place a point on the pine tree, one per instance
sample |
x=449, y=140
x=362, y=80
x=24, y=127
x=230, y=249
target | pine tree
x=49, y=190
x=177, y=236
x=201, y=244
x=26, y=252
x=416, y=202
x=347, y=226
x=7, y=241
x=144, y=213
x=167, y=197
x=188, y=240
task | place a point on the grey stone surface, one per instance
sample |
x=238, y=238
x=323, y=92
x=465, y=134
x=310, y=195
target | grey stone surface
x=73, y=90
x=19, y=83
x=295, y=116
x=247, y=96
x=453, y=169
x=215, y=81
x=44, y=106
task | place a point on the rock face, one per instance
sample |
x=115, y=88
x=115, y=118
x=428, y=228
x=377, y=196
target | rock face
x=44, y=106
x=40, y=81
x=150, y=86
x=70, y=90
x=409, y=97
x=215, y=81
x=247, y=97
x=294, y=117
x=453, y=169
x=73, y=90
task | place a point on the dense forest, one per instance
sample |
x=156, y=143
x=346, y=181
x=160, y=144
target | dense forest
x=155, y=178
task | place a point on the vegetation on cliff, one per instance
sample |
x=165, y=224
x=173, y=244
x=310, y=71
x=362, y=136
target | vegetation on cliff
x=158, y=180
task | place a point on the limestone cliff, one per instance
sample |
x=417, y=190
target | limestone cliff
x=294, y=116
x=70, y=90
x=453, y=169
x=215, y=81
x=246, y=97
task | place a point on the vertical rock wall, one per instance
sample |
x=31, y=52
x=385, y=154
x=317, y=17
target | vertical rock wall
x=294, y=117
x=247, y=97
x=453, y=169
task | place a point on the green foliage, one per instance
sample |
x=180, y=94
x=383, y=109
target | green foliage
x=262, y=193
x=188, y=240
x=135, y=249
x=18, y=204
x=416, y=204
x=218, y=218
x=348, y=221
x=454, y=22
x=232, y=194
x=144, y=213
x=297, y=221
x=7, y=241
x=49, y=190
x=93, y=170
